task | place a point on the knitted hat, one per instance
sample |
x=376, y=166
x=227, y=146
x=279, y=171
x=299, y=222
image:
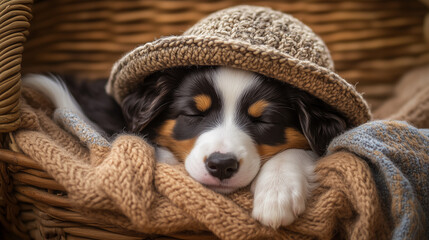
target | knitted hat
x=256, y=39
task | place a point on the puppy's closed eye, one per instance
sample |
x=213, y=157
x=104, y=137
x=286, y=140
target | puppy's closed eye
x=244, y=120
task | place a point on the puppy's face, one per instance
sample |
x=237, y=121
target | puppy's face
x=223, y=123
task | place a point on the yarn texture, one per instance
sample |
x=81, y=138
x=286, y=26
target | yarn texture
x=256, y=39
x=120, y=183
x=373, y=185
x=399, y=156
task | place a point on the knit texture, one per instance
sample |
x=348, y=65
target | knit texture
x=410, y=100
x=256, y=39
x=120, y=183
x=399, y=154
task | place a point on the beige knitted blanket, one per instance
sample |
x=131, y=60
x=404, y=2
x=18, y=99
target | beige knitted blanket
x=120, y=183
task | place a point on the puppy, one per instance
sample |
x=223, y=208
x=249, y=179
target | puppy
x=229, y=127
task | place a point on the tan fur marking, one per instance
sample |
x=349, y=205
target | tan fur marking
x=294, y=139
x=180, y=148
x=257, y=108
x=203, y=102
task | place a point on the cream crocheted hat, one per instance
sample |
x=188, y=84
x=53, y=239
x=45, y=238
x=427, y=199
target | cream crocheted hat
x=251, y=38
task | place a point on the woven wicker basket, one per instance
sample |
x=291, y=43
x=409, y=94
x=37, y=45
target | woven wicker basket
x=372, y=43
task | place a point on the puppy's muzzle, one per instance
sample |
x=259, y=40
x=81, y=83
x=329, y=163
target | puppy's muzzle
x=222, y=165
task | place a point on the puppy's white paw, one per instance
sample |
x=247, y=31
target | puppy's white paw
x=278, y=205
x=282, y=187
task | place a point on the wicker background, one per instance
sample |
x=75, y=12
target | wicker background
x=14, y=24
x=372, y=42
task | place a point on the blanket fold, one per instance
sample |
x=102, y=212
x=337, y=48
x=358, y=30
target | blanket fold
x=119, y=183
x=399, y=154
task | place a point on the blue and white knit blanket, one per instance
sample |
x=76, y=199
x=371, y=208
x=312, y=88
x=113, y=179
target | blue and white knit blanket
x=398, y=155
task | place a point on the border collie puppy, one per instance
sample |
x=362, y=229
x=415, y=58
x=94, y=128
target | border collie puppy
x=229, y=127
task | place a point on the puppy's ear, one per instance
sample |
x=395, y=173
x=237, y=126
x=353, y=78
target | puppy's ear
x=150, y=99
x=320, y=122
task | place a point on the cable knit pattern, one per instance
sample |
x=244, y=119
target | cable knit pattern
x=256, y=39
x=122, y=185
x=399, y=154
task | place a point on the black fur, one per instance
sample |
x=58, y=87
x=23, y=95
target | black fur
x=144, y=109
x=154, y=101
x=278, y=115
x=101, y=108
x=190, y=122
x=320, y=122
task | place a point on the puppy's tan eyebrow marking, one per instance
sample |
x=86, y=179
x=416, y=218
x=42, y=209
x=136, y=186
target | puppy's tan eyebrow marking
x=202, y=102
x=257, y=108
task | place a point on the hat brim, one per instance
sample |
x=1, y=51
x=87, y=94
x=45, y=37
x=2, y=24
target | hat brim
x=190, y=50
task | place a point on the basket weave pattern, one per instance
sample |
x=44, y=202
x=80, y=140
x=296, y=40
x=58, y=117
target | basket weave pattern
x=14, y=24
x=372, y=43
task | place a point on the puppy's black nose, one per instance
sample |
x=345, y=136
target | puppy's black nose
x=222, y=165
